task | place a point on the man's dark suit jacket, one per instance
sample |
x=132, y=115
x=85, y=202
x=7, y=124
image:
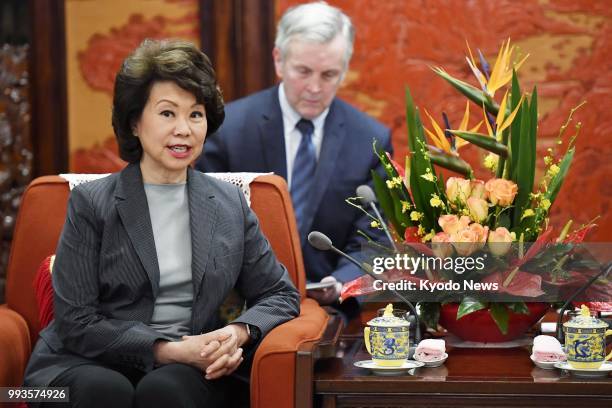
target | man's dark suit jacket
x=252, y=139
x=106, y=274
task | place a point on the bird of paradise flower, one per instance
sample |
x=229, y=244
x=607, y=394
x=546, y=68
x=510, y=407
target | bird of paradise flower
x=502, y=71
x=444, y=140
x=444, y=151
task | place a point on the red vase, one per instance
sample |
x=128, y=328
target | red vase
x=480, y=326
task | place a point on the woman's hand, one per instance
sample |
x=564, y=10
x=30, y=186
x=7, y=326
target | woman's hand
x=225, y=364
x=216, y=353
x=204, y=349
x=198, y=351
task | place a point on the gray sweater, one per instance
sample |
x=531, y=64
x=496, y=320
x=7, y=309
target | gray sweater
x=169, y=210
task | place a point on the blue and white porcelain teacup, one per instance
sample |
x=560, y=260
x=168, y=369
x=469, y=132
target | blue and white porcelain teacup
x=585, y=340
x=387, y=339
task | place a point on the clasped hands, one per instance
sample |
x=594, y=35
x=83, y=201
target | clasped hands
x=217, y=353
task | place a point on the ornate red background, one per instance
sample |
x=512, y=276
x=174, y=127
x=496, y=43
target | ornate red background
x=570, y=42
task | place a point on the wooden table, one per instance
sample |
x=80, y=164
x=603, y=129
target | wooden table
x=469, y=378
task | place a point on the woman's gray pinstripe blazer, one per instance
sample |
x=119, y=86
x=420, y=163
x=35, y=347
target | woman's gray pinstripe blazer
x=106, y=274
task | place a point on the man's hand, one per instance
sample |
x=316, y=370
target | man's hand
x=329, y=295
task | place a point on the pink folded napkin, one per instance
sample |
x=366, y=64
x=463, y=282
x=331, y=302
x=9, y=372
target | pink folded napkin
x=547, y=349
x=430, y=350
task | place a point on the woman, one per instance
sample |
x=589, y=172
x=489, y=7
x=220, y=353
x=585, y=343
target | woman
x=147, y=255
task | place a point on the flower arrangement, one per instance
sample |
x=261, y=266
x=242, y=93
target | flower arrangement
x=505, y=216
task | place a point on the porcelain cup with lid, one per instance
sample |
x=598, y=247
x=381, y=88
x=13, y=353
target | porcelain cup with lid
x=585, y=340
x=387, y=339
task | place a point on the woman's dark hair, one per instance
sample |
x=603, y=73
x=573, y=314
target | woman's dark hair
x=161, y=60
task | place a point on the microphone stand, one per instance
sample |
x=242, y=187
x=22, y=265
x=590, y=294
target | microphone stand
x=605, y=270
x=384, y=225
x=368, y=198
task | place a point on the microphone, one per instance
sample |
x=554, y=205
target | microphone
x=605, y=270
x=322, y=242
x=367, y=198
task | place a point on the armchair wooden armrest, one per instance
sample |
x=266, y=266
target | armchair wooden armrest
x=273, y=377
x=15, y=346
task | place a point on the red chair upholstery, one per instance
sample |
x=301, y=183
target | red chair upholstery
x=41, y=217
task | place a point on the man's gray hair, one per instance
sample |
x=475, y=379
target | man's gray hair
x=315, y=22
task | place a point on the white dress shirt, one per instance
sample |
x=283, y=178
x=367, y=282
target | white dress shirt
x=293, y=137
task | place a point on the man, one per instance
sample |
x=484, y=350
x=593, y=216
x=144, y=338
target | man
x=299, y=129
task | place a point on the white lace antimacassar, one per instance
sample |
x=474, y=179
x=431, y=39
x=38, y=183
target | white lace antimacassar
x=242, y=180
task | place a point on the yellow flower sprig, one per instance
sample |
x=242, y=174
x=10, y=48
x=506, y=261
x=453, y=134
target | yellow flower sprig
x=552, y=165
x=394, y=182
x=490, y=162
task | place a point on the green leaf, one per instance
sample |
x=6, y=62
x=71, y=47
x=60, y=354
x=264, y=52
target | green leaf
x=524, y=172
x=484, y=141
x=396, y=194
x=557, y=181
x=515, y=127
x=441, y=184
x=503, y=162
x=386, y=203
x=474, y=94
x=500, y=315
x=503, y=221
x=401, y=217
x=533, y=113
x=518, y=307
x=531, y=165
x=453, y=163
x=430, y=314
x=420, y=164
x=384, y=159
x=469, y=305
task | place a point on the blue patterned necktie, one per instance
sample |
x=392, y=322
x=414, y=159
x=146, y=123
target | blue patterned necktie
x=302, y=177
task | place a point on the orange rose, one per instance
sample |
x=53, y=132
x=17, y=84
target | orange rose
x=441, y=246
x=501, y=191
x=481, y=233
x=465, y=241
x=478, y=189
x=500, y=241
x=457, y=189
x=479, y=208
x=451, y=223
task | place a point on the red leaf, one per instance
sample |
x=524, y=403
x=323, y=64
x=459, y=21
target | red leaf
x=364, y=284
x=542, y=240
x=578, y=236
x=522, y=284
x=357, y=287
x=411, y=234
x=400, y=170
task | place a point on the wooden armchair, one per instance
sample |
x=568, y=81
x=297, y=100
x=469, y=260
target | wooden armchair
x=274, y=378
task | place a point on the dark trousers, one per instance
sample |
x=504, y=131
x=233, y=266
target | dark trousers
x=172, y=385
